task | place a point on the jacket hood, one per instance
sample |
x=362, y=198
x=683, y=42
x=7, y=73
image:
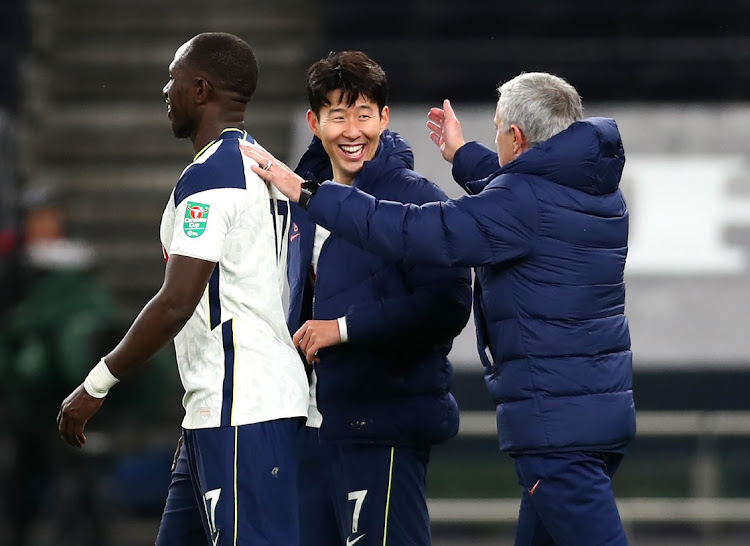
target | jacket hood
x=587, y=156
x=393, y=153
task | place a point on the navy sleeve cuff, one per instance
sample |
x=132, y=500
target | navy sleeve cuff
x=472, y=162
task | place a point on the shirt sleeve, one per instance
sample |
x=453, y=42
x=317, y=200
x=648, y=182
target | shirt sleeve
x=202, y=222
x=343, y=330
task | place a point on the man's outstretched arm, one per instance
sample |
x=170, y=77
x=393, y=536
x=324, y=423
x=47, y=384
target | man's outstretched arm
x=495, y=226
x=160, y=320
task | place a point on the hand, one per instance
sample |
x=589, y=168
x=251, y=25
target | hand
x=445, y=130
x=176, y=454
x=281, y=176
x=314, y=335
x=75, y=412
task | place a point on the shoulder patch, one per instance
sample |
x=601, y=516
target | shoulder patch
x=196, y=218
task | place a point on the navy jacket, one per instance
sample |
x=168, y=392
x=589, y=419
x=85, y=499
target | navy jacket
x=548, y=234
x=390, y=383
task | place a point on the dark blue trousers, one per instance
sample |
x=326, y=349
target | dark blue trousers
x=363, y=494
x=568, y=500
x=234, y=486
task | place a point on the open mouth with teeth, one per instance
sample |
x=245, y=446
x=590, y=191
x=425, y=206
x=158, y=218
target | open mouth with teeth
x=352, y=151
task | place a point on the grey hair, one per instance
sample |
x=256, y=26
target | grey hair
x=540, y=104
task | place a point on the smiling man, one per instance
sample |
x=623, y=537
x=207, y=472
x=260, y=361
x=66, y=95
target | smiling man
x=546, y=227
x=350, y=132
x=378, y=332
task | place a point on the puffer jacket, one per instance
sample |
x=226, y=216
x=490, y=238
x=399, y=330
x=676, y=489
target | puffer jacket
x=548, y=235
x=390, y=383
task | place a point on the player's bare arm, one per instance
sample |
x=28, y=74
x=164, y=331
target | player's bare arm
x=314, y=335
x=160, y=320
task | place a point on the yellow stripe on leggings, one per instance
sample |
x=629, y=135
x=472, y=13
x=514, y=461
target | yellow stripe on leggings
x=388, y=498
x=236, y=434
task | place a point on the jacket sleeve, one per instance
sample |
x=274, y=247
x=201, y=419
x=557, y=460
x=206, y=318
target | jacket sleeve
x=434, y=312
x=438, y=300
x=473, y=165
x=495, y=226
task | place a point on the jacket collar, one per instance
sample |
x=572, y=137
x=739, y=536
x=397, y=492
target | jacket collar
x=587, y=156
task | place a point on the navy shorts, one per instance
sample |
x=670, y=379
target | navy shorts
x=568, y=500
x=363, y=494
x=234, y=486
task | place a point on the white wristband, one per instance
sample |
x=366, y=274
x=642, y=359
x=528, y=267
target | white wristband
x=99, y=380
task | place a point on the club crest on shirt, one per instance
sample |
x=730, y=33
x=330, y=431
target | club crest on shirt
x=196, y=218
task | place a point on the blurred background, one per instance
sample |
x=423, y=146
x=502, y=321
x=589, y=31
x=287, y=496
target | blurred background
x=87, y=162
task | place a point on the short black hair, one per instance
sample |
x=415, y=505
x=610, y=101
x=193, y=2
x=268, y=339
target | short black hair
x=228, y=60
x=351, y=72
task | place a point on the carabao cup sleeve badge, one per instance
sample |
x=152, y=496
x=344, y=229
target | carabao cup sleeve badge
x=196, y=218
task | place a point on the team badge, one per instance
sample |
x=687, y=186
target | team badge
x=196, y=218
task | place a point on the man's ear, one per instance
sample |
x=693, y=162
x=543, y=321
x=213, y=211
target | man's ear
x=202, y=90
x=520, y=142
x=385, y=117
x=313, y=123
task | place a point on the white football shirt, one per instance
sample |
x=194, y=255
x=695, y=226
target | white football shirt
x=314, y=417
x=235, y=356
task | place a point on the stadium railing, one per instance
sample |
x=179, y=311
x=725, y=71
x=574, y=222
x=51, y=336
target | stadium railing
x=705, y=507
